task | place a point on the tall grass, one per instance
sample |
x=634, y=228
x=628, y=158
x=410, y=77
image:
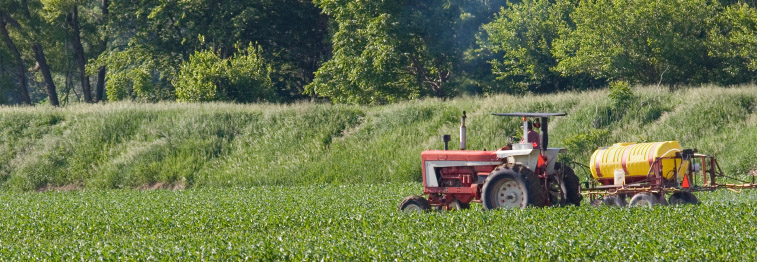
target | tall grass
x=130, y=145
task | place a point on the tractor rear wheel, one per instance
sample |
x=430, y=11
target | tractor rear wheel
x=512, y=188
x=572, y=184
x=644, y=200
x=414, y=204
x=683, y=198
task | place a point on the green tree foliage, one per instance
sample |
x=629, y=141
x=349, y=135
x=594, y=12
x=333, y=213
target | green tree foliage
x=243, y=77
x=521, y=36
x=136, y=73
x=371, y=52
x=63, y=32
x=39, y=42
x=165, y=33
x=390, y=50
x=367, y=65
x=646, y=41
x=77, y=18
x=11, y=61
x=733, y=40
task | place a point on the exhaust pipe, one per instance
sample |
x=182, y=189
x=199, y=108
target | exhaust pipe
x=462, y=132
x=525, y=130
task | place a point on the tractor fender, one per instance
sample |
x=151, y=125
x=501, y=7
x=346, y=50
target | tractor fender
x=551, y=154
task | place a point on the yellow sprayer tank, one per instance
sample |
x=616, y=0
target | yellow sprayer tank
x=635, y=160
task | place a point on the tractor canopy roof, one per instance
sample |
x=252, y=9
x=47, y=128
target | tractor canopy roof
x=530, y=114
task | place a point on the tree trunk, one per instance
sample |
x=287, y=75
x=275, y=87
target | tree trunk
x=39, y=55
x=100, y=88
x=443, y=77
x=20, y=67
x=80, y=59
x=437, y=85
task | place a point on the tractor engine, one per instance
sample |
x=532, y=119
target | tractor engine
x=457, y=176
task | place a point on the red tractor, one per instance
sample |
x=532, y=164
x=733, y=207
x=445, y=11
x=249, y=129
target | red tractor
x=516, y=176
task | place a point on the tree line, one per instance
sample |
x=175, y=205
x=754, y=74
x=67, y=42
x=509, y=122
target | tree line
x=367, y=52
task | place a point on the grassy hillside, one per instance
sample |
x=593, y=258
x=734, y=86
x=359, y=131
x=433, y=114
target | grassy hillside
x=127, y=145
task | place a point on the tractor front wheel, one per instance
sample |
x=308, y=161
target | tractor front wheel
x=512, y=188
x=414, y=204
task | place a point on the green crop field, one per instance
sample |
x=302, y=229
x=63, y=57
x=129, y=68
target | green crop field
x=322, y=182
x=359, y=223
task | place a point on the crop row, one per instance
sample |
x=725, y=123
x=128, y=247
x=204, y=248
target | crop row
x=359, y=222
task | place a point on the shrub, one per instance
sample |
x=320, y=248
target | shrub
x=620, y=94
x=245, y=77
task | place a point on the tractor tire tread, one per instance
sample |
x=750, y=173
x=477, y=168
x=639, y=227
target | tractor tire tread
x=422, y=202
x=644, y=199
x=683, y=198
x=536, y=194
x=572, y=185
